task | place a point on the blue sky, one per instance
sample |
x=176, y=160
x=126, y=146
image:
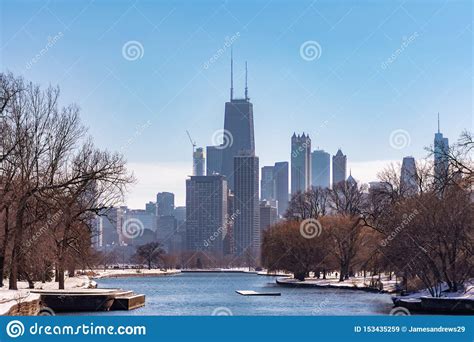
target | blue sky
x=381, y=67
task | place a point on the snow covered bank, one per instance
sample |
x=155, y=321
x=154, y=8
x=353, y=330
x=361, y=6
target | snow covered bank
x=460, y=302
x=23, y=302
x=118, y=273
x=354, y=283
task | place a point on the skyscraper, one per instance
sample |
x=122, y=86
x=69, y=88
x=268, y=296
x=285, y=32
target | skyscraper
x=280, y=175
x=206, y=212
x=143, y=221
x=238, y=129
x=351, y=180
x=229, y=243
x=267, y=184
x=150, y=207
x=165, y=231
x=408, y=177
x=321, y=169
x=268, y=215
x=300, y=163
x=107, y=226
x=441, y=162
x=199, y=162
x=247, y=222
x=339, y=167
x=164, y=203
x=214, y=160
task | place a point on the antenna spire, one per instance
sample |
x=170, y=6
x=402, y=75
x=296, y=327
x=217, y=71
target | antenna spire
x=246, y=85
x=438, y=122
x=231, y=74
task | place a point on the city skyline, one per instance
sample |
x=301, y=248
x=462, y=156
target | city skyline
x=380, y=81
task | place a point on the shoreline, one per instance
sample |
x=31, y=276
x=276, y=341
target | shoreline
x=236, y=271
x=354, y=284
x=26, y=302
x=129, y=273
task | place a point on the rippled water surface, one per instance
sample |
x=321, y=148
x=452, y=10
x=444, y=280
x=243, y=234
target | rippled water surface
x=205, y=293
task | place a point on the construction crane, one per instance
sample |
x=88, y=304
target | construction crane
x=191, y=140
x=194, y=146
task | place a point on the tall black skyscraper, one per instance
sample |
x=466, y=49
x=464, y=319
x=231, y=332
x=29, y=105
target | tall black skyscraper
x=206, y=210
x=238, y=129
x=247, y=234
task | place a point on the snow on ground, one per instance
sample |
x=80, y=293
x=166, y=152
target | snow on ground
x=353, y=282
x=466, y=293
x=9, y=298
x=113, y=273
x=69, y=283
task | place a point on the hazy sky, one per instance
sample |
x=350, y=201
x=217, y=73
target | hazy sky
x=380, y=72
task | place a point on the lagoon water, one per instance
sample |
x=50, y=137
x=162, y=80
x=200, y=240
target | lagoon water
x=214, y=293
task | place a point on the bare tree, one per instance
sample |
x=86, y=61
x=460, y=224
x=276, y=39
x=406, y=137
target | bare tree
x=309, y=204
x=49, y=171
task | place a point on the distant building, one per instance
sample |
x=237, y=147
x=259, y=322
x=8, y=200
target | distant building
x=165, y=231
x=138, y=227
x=267, y=183
x=441, y=161
x=214, y=160
x=339, y=167
x=180, y=214
x=351, y=180
x=378, y=194
x=408, y=177
x=247, y=235
x=107, y=228
x=150, y=207
x=300, y=163
x=206, y=210
x=164, y=204
x=180, y=236
x=321, y=169
x=229, y=243
x=199, y=162
x=378, y=187
x=238, y=130
x=281, y=176
x=268, y=215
